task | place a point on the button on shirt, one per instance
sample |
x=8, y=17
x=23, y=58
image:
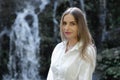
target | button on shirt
x=69, y=65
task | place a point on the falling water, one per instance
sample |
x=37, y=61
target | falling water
x=71, y=3
x=43, y=4
x=24, y=44
x=82, y=5
x=24, y=48
x=55, y=20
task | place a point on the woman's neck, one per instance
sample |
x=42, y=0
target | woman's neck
x=70, y=44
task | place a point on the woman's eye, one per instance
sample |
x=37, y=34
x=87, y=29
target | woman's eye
x=64, y=23
x=72, y=24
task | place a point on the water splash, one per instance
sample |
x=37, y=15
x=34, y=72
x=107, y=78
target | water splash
x=24, y=48
x=43, y=4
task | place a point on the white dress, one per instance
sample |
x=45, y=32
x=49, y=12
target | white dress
x=69, y=65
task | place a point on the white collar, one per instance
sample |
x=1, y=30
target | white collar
x=76, y=46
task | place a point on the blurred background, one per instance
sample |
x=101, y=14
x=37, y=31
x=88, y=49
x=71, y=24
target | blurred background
x=29, y=31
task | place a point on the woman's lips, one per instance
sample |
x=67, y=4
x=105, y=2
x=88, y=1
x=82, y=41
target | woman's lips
x=67, y=33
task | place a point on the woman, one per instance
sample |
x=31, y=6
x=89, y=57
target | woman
x=75, y=57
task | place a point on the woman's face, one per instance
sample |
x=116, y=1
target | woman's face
x=70, y=27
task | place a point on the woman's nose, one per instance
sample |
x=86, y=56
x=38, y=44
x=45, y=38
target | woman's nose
x=67, y=27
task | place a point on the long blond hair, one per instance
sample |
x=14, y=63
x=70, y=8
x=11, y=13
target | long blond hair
x=83, y=31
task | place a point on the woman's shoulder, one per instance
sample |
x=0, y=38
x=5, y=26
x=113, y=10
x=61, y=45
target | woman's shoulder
x=57, y=48
x=60, y=45
x=91, y=50
x=91, y=47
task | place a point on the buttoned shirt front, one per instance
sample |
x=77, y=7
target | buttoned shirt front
x=69, y=65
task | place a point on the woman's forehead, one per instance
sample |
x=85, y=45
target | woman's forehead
x=69, y=17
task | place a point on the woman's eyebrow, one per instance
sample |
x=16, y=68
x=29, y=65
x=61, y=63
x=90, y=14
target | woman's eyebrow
x=73, y=21
x=69, y=21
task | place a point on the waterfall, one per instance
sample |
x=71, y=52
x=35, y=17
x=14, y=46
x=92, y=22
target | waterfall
x=55, y=20
x=24, y=42
x=43, y=4
x=82, y=5
x=24, y=47
x=71, y=3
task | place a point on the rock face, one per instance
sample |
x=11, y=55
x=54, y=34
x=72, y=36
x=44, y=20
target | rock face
x=7, y=13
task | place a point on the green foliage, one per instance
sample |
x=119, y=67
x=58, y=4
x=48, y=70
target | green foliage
x=108, y=63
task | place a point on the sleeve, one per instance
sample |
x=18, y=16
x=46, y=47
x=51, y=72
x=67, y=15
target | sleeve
x=87, y=68
x=86, y=72
x=50, y=75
